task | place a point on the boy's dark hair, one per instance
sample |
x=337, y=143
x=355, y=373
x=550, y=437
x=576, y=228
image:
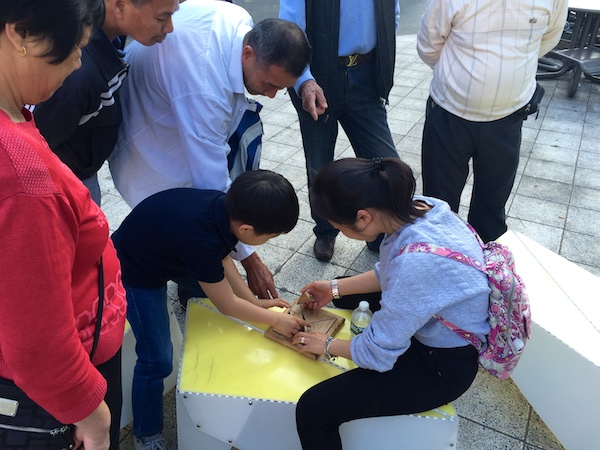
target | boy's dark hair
x=265, y=200
x=281, y=43
x=62, y=22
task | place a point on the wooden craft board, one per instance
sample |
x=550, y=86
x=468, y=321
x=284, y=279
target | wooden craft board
x=320, y=320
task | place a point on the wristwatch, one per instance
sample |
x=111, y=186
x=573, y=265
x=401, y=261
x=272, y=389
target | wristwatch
x=335, y=290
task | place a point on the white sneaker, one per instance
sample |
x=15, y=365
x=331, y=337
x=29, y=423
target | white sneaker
x=158, y=443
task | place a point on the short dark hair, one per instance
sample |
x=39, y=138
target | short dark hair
x=265, y=200
x=282, y=43
x=61, y=22
x=345, y=186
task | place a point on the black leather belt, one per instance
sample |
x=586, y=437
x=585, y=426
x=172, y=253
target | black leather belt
x=355, y=59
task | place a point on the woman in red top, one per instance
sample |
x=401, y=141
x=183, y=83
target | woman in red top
x=55, y=248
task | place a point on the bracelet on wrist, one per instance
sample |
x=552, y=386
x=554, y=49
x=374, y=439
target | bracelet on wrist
x=327, y=356
x=335, y=290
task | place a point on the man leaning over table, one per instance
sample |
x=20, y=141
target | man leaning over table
x=185, y=98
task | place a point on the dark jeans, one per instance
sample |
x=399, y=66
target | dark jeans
x=423, y=378
x=355, y=104
x=449, y=142
x=148, y=316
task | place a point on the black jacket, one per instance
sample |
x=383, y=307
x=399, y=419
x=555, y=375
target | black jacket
x=323, y=30
x=81, y=120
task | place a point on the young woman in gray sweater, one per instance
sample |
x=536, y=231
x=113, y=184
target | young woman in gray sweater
x=407, y=360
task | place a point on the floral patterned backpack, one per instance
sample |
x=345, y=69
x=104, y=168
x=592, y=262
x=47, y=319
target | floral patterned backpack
x=509, y=312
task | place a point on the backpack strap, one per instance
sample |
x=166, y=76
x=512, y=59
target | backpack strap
x=424, y=247
x=470, y=227
x=471, y=338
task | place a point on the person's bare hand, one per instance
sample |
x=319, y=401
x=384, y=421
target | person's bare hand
x=288, y=325
x=260, y=279
x=311, y=341
x=320, y=293
x=269, y=303
x=93, y=431
x=313, y=99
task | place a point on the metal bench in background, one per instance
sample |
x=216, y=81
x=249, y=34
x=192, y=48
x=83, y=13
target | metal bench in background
x=578, y=51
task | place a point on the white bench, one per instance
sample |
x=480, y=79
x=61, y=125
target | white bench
x=559, y=372
x=238, y=388
x=432, y=430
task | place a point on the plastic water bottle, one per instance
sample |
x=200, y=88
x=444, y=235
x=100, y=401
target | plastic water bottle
x=361, y=317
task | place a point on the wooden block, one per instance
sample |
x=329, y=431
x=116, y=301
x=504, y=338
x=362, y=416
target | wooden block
x=320, y=320
x=305, y=298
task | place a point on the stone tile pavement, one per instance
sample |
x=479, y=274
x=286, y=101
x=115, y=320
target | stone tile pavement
x=555, y=201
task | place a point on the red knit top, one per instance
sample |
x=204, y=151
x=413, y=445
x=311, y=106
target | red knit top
x=51, y=237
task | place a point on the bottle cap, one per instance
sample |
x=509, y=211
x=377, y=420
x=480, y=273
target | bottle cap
x=518, y=345
x=364, y=305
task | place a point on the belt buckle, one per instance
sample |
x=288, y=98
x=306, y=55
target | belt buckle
x=352, y=60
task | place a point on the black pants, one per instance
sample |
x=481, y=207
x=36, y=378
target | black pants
x=449, y=142
x=423, y=378
x=354, y=103
x=111, y=371
x=37, y=417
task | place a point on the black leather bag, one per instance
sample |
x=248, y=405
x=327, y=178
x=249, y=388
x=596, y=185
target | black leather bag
x=26, y=425
x=533, y=106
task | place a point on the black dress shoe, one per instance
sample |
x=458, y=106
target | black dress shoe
x=323, y=248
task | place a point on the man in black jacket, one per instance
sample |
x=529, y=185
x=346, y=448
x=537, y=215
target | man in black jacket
x=81, y=120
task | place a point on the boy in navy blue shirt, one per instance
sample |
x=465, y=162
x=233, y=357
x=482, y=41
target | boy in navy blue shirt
x=164, y=238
